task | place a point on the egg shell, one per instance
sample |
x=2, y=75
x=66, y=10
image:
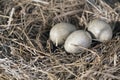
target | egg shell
x=60, y=32
x=100, y=29
x=76, y=39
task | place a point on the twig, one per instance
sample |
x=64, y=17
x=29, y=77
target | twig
x=93, y=6
x=10, y=18
x=40, y=1
x=4, y=16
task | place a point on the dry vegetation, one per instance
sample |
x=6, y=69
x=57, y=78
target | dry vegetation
x=26, y=53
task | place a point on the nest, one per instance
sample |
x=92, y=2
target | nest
x=26, y=52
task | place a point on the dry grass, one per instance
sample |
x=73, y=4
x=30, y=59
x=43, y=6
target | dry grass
x=26, y=53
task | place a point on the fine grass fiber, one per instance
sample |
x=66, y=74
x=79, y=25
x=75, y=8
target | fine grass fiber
x=27, y=53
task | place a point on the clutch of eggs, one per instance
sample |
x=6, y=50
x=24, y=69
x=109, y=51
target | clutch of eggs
x=74, y=40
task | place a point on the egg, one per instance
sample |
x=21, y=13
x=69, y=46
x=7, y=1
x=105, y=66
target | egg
x=76, y=40
x=100, y=29
x=60, y=32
